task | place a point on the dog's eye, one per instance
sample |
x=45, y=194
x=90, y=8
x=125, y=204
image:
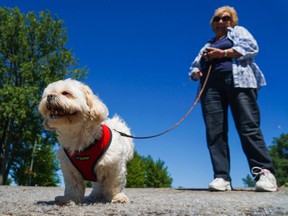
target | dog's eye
x=65, y=93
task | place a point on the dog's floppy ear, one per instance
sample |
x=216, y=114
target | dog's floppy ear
x=98, y=110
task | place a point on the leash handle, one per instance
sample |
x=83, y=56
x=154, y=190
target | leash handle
x=181, y=120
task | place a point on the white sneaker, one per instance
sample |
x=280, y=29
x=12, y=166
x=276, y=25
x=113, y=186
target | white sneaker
x=266, y=181
x=219, y=184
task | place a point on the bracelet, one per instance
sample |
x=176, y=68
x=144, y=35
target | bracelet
x=222, y=54
x=225, y=53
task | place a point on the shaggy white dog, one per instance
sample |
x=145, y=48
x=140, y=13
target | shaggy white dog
x=77, y=115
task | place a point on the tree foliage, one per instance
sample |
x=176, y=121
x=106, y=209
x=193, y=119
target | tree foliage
x=136, y=172
x=248, y=181
x=32, y=54
x=279, y=154
x=41, y=175
x=144, y=172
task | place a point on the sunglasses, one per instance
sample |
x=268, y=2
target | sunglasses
x=224, y=19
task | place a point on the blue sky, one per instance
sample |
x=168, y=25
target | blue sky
x=139, y=53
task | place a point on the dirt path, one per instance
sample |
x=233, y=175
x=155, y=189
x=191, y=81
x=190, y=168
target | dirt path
x=40, y=201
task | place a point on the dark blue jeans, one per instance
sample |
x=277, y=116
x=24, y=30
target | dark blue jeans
x=217, y=97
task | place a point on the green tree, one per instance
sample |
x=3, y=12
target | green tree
x=144, y=172
x=136, y=172
x=248, y=181
x=32, y=54
x=156, y=174
x=38, y=172
x=279, y=154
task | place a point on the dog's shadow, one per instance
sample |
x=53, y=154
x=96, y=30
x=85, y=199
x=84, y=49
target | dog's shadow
x=87, y=201
x=48, y=203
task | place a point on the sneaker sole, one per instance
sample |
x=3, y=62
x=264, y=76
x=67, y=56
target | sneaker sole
x=228, y=188
x=260, y=189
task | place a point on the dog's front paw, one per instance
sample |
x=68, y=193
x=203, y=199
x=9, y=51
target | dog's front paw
x=64, y=200
x=95, y=199
x=120, y=198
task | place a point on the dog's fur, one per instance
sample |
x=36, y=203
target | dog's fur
x=71, y=109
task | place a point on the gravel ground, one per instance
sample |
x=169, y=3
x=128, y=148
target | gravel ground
x=40, y=201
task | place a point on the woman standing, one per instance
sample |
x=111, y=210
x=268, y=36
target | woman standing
x=234, y=82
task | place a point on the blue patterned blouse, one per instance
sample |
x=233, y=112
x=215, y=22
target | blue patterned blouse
x=246, y=73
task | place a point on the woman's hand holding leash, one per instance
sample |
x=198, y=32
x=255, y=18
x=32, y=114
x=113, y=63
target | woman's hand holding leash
x=196, y=75
x=212, y=53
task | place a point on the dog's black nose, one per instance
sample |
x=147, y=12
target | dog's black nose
x=50, y=98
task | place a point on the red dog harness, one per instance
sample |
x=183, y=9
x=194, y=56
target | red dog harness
x=85, y=161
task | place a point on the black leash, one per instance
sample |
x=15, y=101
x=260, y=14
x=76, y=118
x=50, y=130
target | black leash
x=181, y=120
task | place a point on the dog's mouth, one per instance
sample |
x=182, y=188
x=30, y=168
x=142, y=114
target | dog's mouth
x=58, y=112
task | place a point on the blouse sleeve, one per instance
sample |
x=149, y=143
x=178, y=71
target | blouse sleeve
x=195, y=66
x=244, y=42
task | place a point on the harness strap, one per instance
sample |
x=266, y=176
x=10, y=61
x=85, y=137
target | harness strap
x=85, y=161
